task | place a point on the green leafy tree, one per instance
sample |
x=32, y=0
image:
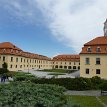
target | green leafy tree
x=5, y=65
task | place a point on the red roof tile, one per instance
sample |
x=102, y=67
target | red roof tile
x=100, y=42
x=10, y=49
x=97, y=41
x=69, y=57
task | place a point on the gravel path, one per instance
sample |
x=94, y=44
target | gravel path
x=84, y=93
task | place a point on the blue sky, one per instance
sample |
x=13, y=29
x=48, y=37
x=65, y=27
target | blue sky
x=51, y=27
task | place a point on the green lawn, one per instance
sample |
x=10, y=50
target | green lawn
x=56, y=74
x=85, y=101
x=59, y=70
x=104, y=99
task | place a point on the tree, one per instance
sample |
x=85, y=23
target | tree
x=5, y=65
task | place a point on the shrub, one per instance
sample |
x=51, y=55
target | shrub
x=20, y=76
x=96, y=82
x=26, y=94
x=3, y=70
x=103, y=86
x=69, y=83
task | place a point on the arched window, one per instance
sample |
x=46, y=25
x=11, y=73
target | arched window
x=89, y=49
x=98, y=49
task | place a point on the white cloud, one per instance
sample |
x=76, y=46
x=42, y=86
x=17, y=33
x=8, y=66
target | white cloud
x=72, y=22
x=75, y=22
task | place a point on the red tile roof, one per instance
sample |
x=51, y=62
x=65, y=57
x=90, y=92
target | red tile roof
x=8, y=45
x=97, y=41
x=74, y=58
x=10, y=49
x=100, y=42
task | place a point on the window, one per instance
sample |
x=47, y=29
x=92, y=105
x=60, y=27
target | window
x=78, y=67
x=21, y=59
x=3, y=58
x=11, y=66
x=74, y=67
x=69, y=67
x=24, y=60
x=70, y=63
x=98, y=49
x=89, y=49
x=87, y=71
x=87, y=61
x=74, y=63
x=97, y=60
x=97, y=71
x=60, y=66
x=11, y=59
x=16, y=59
x=65, y=67
x=56, y=62
x=16, y=66
x=56, y=66
x=20, y=66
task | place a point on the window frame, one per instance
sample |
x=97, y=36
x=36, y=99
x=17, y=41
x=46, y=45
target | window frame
x=98, y=72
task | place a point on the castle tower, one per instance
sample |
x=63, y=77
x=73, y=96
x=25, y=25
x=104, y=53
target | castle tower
x=105, y=28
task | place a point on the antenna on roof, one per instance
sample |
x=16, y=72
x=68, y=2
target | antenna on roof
x=105, y=28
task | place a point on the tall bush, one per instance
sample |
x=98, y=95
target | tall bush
x=5, y=65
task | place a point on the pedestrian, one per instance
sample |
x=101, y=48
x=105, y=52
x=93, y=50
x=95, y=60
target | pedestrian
x=1, y=78
x=4, y=77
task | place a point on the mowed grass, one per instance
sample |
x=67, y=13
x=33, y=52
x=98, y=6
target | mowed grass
x=104, y=99
x=85, y=101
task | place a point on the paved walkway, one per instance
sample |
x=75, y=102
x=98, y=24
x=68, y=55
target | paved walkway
x=43, y=74
x=84, y=93
x=99, y=100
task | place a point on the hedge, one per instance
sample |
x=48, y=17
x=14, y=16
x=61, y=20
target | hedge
x=68, y=83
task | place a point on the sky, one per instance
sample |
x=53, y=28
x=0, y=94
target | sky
x=51, y=27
